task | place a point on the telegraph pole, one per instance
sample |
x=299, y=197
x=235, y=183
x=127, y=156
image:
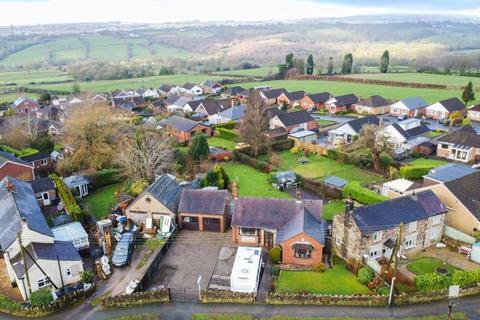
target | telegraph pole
x=22, y=252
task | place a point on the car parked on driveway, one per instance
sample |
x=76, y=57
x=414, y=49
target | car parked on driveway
x=123, y=252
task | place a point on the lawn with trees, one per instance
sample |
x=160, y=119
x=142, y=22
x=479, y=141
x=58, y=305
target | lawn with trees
x=102, y=200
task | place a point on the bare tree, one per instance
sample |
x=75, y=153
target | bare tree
x=371, y=137
x=33, y=127
x=254, y=125
x=145, y=154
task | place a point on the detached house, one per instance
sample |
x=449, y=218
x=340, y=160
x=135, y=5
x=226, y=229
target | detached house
x=25, y=105
x=371, y=232
x=234, y=113
x=291, y=98
x=293, y=120
x=341, y=103
x=192, y=89
x=346, y=132
x=296, y=226
x=176, y=103
x=166, y=90
x=314, y=101
x=211, y=86
x=47, y=262
x=211, y=108
x=373, y=105
x=270, y=96
x=443, y=109
x=405, y=136
x=408, y=108
x=184, y=129
x=462, y=145
x=14, y=167
x=474, y=113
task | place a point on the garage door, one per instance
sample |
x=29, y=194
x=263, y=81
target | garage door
x=190, y=223
x=212, y=224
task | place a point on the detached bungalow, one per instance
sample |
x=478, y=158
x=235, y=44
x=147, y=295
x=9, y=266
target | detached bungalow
x=271, y=96
x=192, y=89
x=176, y=103
x=233, y=91
x=406, y=135
x=166, y=90
x=293, y=120
x=314, y=101
x=408, y=108
x=184, y=129
x=211, y=86
x=373, y=105
x=234, y=113
x=203, y=210
x=370, y=232
x=442, y=109
x=462, y=145
x=346, y=132
x=341, y=103
x=14, y=167
x=474, y=113
x=291, y=98
x=296, y=226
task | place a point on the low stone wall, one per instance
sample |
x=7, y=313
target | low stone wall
x=317, y=299
x=439, y=295
x=137, y=298
x=224, y=296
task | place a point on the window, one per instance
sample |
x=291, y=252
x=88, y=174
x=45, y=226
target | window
x=42, y=283
x=412, y=226
x=338, y=240
x=375, y=251
x=444, y=146
x=248, y=231
x=410, y=241
x=303, y=253
x=377, y=236
x=43, y=162
x=435, y=219
x=68, y=272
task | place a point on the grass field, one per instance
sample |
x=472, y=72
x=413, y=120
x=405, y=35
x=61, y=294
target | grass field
x=319, y=167
x=252, y=182
x=363, y=90
x=426, y=265
x=338, y=280
x=26, y=77
x=413, y=77
x=100, y=201
x=221, y=143
x=258, y=72
x=428, y=162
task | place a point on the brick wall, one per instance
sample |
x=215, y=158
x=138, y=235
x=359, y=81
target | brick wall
x=288, y=253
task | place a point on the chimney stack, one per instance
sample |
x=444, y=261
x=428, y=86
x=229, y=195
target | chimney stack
x=10, y=186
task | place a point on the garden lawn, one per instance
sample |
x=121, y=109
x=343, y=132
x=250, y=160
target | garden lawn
x=102, y=200
x=319, y=167
x=436, y=133
x=426, y=265
x=424, y=162
x=321, y=122
x=221, y=143
x=338, y=280
x=333, y=208
x=252, y=182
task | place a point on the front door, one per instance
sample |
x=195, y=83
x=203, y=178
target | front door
x=46, y=199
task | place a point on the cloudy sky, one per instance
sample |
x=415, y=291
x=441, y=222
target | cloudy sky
x=19, y=12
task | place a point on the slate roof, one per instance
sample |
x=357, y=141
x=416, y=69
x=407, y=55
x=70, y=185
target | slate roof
x=391, y=213
x=302, y=221
x=374, y=102
x=270, y=213
x=413, y=103
x=273, y=111
x=401, y=131
x=235, y=90
x=346, y=100
x=17, y=205
x=234, y=113
x=467, y=191
x=189, y=85
x=466, y=136
x=319, y=97
x=172, y=99
x=211, y=84
x=43, y=251
x=181, y=123
x=335, y=181
x=166, y=190
x=165, y=88
x=449, y=172
x=295, y=95
x=418, y=131
x=358, y=124
x=8, y=157
x=452, y=104
x=294, y=118
x=135, y=100
x=215, y=106
x=42, y=185
x=36, y=156
x=203, y=201
x=274, y=93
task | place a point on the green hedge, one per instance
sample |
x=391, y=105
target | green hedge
x=106, y=177
x=228, y=125
x=466, y=278
x=414, y=172
x=68, y=200
x=227, y=134
x=431, y=281
x=18, y=153
x=361, y=194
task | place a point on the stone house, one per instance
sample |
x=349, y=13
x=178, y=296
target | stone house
x=371, y=232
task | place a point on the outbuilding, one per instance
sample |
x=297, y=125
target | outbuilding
x=72, y=232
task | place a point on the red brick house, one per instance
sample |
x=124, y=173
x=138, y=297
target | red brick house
x=315, y=101
x=184, y=129
x=292, y=120
x=41, y=161
x=203, y=210
x=14, y=167
x=291, y=98
x=24, y=105
x=341, y=103
x=44, y=190
x=296, y=226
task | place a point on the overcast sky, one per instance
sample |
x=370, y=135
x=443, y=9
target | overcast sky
x=20, y=12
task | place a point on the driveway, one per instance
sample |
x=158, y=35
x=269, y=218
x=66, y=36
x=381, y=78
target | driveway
x=193, y=254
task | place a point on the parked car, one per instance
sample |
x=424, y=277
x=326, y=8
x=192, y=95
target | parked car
x=57, y=294
x=123, y=252
x=402, y=117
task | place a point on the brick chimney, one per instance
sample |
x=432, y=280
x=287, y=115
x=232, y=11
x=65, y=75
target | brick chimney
x=10, y=186
x=235, y=189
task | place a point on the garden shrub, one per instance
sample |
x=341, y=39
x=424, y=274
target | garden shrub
x=68, y=200
x=41, y=298
x=414, y=172
x=466, y=278
x=105, y=177
x=365, y=275
x=361, y=194
x=275, y=254
x=227, y=134
x=383, y=291
x=18, y=153
x=134, y=188
x=8, y=304
x=275, y=271
x=335, y=260
x=431, y=281
x=87, y=276
x=332, y=154
x=228, y=125
x=295, y=150
x=319, y=267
